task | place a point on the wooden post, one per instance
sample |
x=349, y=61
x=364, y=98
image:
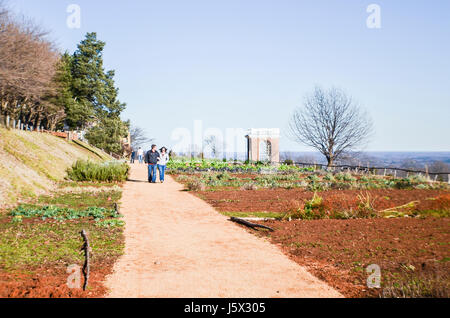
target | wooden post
x=384, y=174
x=87, y=249
x=7, y=121
x=395, y=174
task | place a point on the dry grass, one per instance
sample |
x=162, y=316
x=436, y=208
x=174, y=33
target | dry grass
x=31, y=163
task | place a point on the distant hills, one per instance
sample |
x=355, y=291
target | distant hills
x=398, y=159
x=377, y=158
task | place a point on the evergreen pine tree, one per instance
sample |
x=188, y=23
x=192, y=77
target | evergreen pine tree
x=75, y=111
x=97, y=96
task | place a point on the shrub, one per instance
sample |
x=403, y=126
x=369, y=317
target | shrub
x=196, y=185
x=113, y=171
x=413, y=283
x=313, y=178
x=418, y=178
x=344, y=215
x=408, y=209
x=288, y=186
x=249, y=186
x=295, y=210
x=340, y=186
x=184, y=178
x=403, y=184
x=311, y=210
x=315, y=203
x=223, y=176
x=316, y=186
x=366, y=206
x=345, y=177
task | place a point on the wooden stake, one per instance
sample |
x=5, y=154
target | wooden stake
x=87, y=249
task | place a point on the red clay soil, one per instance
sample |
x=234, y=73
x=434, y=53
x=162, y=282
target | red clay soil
x=339, y=251
x=51, y=282
x=280, y=200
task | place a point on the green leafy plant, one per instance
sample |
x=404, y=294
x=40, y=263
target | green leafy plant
x=110, y=223
x=61, y=214
x=113, y=171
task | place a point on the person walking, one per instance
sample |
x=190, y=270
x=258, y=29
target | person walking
x=162, y=163
x=140, y=155
x=133, y=156
x=151, y=158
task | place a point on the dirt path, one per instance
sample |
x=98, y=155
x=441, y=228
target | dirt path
x=179, y=246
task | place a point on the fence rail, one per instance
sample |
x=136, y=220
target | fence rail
x=362, y=168
x=384, y=171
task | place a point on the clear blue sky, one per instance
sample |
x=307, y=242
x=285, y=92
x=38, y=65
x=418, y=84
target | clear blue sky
x=249, y=63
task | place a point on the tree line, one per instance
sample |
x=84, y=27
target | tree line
x=42, y=87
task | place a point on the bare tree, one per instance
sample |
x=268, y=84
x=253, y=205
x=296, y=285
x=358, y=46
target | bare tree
x=139, y=137
x=358, y=159
x=439, y=167
x=411, y=164
x=27, y=67
x=331, y=122
x=212, y=143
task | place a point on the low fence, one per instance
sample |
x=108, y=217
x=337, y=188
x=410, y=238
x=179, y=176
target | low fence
x=69, y=135
x=382, y=171
x=13, y=124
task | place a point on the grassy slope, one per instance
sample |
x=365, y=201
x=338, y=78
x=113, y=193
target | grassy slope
x=31, y=163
